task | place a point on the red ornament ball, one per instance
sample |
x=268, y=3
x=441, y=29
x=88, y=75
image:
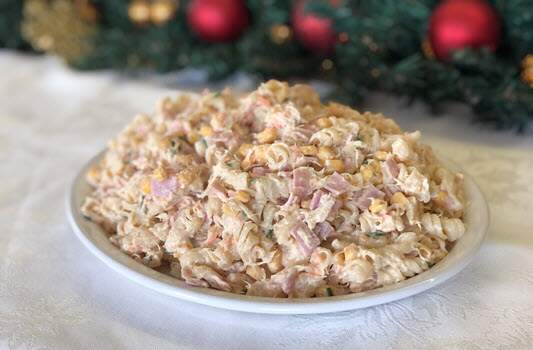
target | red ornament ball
x=459, y=24
x=217, y=20
x=313, y=32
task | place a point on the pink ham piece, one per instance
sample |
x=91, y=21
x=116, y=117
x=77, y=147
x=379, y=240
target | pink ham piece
x=390, y=170
x=178, y=126
x=336, y=184
x=288, y=284
x=315, y=200
x=324, y=230
x=300, y=187
x=259, y=171
x=300, y=182
x=164, y=188
x=364, y=196
x=335, y=208
x=218, y=190
x=306, y=239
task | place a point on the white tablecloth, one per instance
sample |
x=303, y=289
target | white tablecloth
x=55, y=294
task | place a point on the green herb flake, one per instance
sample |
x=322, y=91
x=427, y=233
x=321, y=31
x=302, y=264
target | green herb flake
x=329, y=291
x=375, y=234
x=270, y=233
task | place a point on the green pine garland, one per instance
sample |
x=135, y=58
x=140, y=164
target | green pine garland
x=489, y=82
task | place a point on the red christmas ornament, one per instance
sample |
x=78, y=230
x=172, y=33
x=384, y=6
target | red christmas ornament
x=313, y=32
x=458, y=24
x=217, y=20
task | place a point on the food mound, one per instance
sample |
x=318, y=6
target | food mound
x=275, y=194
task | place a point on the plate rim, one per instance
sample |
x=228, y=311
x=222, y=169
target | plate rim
x=167, y=285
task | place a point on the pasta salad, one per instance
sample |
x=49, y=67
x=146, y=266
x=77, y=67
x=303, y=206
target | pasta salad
x=275, y=194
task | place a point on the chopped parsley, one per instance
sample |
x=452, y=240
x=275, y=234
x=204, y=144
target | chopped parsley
x=233, y=164
x=375, y=234
x=270, y=233
x=174, y=147
x=329, y=292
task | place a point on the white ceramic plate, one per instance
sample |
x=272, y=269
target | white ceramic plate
x=90, y=234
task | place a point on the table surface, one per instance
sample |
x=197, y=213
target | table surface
x=55, y=294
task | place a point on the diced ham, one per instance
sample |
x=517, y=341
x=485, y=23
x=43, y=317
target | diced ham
x=164, y=188
x=217, y=190
x=390, y=170
x=300, y=182
x=179, y=126
x=324, y=230
x=259, y=171
x=335, y=208
x=306, y=239
x=336, y=184
x=288, y=284
x=364, y=196
x=315, y=200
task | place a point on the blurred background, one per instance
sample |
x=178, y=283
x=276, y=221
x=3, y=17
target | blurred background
x=476, y=52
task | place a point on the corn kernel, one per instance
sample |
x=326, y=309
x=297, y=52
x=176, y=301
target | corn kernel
x=441, y=198
x=399, y=198
x=375, y=166
x=339, y=258
x=377, y=205
x=259, y=154
x=94, y=174
x=323, y=122
x=367, y=172
x=227, y=210
x=146, y=186
x=163, y=143
x=256, y=272
x=185, y=177
x=244, y=148
x=380, y=155
x=268, y=135
x=350, y=252
x=246, y=163
x=192, y=137
x=275, y=264
x=334, y=165
x=161, y=128
x=325, y=152
x=242, y=196
x=206, y=130
x=309, y=150
x=160, y=174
